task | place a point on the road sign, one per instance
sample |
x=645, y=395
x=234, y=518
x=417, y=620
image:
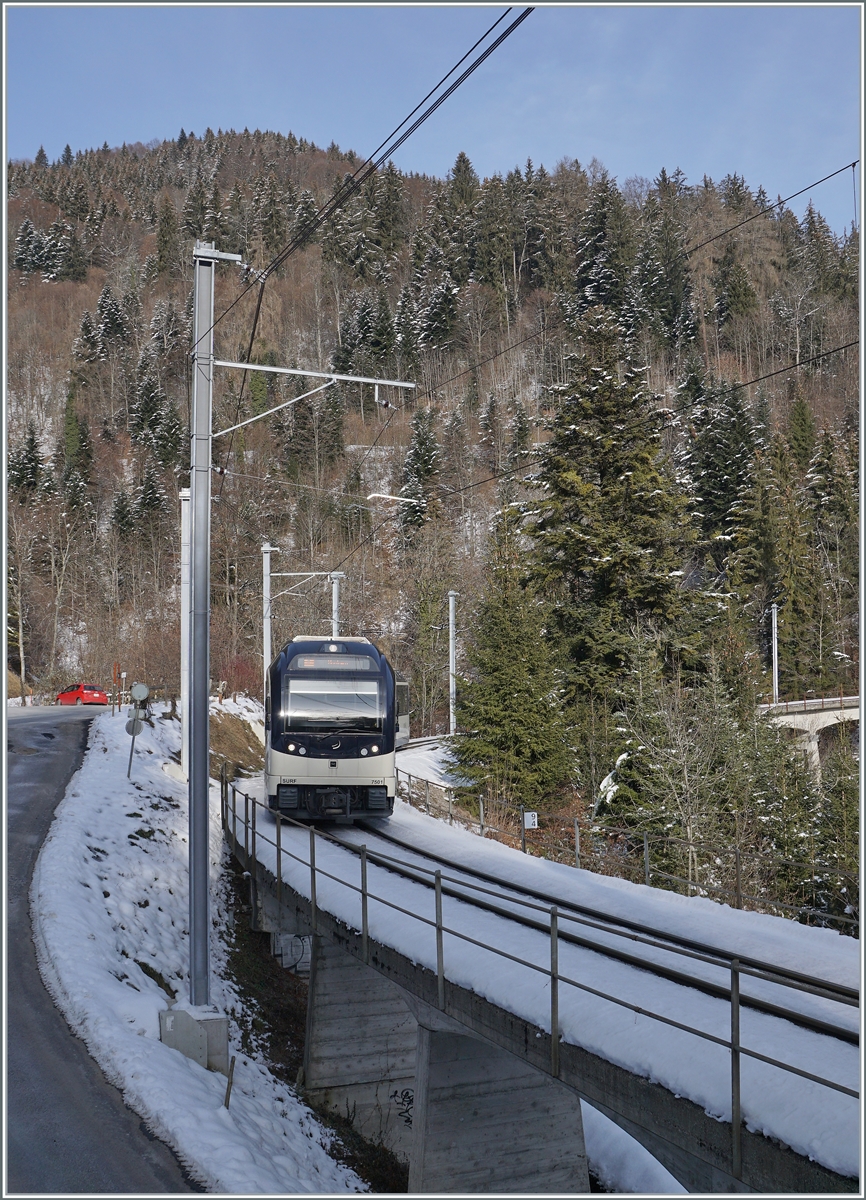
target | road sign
x=134, y=726
x=139, y=691
x=530, y=820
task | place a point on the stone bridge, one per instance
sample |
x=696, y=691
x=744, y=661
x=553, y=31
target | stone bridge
x=810, y=718
x=465, y=1091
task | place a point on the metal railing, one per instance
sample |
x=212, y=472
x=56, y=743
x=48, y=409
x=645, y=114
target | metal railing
x=553, y=915
x=810, y=704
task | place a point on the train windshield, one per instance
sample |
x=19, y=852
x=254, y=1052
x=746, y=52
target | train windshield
x=320, y=704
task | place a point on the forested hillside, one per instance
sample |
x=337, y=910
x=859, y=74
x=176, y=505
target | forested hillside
x=591, y=465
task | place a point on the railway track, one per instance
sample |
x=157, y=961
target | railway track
x=529, y=908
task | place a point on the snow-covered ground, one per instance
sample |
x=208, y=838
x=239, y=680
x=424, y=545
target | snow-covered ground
x=110, y=891
x=111, y=888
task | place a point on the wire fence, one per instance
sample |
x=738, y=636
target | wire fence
x=246, y=829
x=810, y=891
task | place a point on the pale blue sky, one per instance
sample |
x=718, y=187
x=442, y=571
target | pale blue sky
x=771, y=92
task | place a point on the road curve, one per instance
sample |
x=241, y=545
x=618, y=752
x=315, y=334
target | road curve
x=67, y=1128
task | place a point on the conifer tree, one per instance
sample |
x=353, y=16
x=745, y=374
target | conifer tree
x=85, y=348
x=167, y=238
x=604, y=249
x=492, y=240
x=831, y=490
x=514, y=741
x=150, y=506
x=721, y=464
x=735, y=296
x=25, y=463
x=195, y=208
x=697, y=765
x=801, y=432
x=423, y=460
x=406, y=333
x=122, y=514
x=29, y=254
x=609, y=535
x=388, y=209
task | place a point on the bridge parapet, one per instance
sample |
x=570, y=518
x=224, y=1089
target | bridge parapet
x=704, y=1152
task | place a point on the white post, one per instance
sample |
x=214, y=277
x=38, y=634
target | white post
x=184, y=630
x=774, y=610
x=335, y=577
x=266, y=614
x=452, y=664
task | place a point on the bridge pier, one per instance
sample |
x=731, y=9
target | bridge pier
x=359, y=1057
x=485, y=1121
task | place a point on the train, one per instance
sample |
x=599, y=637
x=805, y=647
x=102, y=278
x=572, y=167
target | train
x=335, y=714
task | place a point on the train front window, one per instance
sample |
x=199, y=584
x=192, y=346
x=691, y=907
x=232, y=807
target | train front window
x=330, y=703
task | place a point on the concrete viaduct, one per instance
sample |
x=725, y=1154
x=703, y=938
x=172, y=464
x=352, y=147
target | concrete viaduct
x=462, y=1089
x=810, y=718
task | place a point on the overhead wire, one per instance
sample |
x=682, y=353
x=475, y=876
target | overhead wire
x=351, y=184
x=769, y=208
x=687, y=251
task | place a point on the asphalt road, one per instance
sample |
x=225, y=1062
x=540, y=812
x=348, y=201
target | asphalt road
x=67, y=1128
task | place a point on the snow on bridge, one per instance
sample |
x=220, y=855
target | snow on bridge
x=647, y=1047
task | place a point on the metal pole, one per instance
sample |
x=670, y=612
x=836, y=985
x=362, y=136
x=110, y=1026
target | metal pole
x=739, y=877
x=279, y=860
x=481, y=815
x=246, y=830
x=266, y=614
x=314, y=916
x=365, y=932
x=646, y=865
x=200, y=473
x=452, y=664
x=184, y=629
x=205, y=258
x=335, y=577
x=440, y=954
x=522, y=831
x=736, y=1131
x=774, y=611
x=554, y=992
x=576, y=843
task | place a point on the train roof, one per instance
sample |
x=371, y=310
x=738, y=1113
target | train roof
x=318, y=637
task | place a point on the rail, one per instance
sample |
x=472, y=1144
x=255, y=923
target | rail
x=554, y=916
x=631, y=857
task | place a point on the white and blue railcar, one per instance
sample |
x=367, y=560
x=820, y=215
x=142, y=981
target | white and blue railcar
x=334, y=715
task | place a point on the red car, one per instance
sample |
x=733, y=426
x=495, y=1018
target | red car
x=81, y=693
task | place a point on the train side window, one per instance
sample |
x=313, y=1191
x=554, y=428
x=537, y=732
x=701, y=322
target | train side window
x=402, y=699
x=267, y=714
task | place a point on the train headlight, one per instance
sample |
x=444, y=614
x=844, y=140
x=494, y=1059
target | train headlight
x=374, y=749
x=302, y=749
x=291, y=747
x=364, y=753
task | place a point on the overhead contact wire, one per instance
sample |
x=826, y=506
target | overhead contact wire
x=350, y=187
